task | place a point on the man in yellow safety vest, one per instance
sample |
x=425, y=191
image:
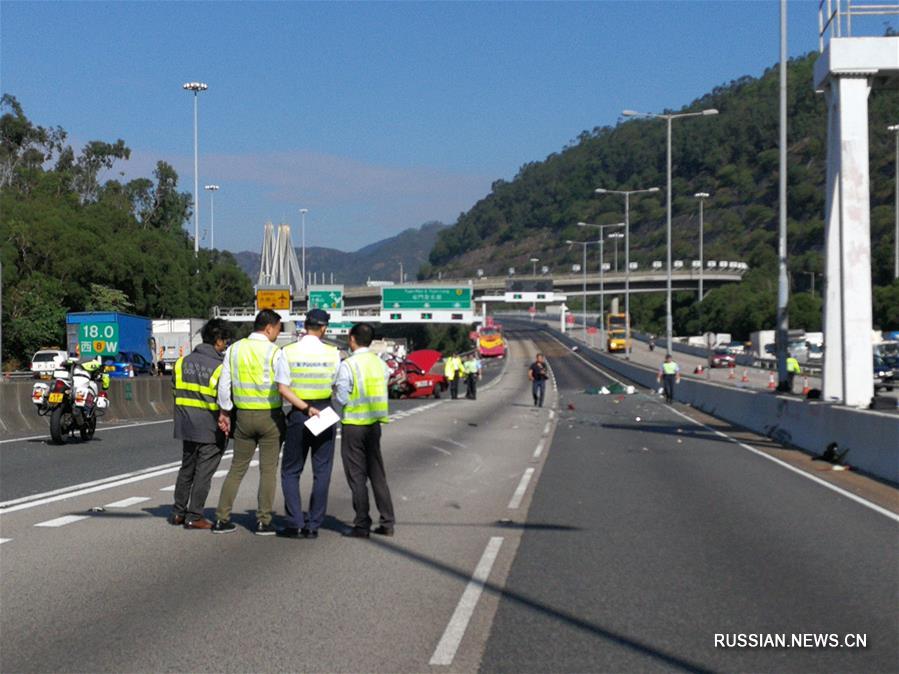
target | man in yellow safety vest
x=195, y=387
x=362, y=389
x=313, y=371
x=792, y=370
x=251, y=373
x=453, y=370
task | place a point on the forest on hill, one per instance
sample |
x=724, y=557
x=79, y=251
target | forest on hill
x=71, y=242
x=734, y=157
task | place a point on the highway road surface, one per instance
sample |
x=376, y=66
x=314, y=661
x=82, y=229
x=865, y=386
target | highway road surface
x=569, y=538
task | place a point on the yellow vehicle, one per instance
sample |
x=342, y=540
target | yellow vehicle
x=617, y=335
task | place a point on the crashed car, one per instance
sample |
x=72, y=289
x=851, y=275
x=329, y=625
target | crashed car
x=411, y=377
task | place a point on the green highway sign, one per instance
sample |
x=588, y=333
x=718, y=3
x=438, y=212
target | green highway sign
x=339, y=327
x=98, y=339
x=326, y=297
x=426, y=297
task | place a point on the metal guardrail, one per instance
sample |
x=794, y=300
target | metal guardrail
x=835, y=17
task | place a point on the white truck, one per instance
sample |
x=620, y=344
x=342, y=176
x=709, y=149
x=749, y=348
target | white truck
x=175, y=337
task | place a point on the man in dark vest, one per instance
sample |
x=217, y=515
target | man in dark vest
x=195, y=385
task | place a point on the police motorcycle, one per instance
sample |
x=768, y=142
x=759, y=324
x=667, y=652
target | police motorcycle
x=74, y=400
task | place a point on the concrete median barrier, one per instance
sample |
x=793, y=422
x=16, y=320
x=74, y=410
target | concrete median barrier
x=871, y=437
x=140, y=398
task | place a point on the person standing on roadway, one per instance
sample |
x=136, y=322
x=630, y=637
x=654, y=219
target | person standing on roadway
x=669, y=375
x=362, y=390
x=313, y=371
x=792, y=370
x=195, y=387
x=472, y=375
x=538, y=374
x=252, y=370
x=453, y=370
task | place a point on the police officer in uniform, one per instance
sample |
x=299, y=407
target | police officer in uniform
x=669, y=375
x=472, y=374
x=362, y=390
x=453, y=370
x=792, y=370
x=313, y=371
x=195, y=386
x=252, y=370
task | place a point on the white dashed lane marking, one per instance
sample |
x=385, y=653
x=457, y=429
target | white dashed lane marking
x=521, y=489
x=222, y=473
x=539, y=450
x=128, y=502
x=4, y=540
x=171, y=487
x=62, y=521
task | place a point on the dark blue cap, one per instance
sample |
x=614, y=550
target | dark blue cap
x=318, y=317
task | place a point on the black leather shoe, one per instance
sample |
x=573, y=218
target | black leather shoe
x=288, y=532
x=309, y=533
x=383, y=531
x=356, y=533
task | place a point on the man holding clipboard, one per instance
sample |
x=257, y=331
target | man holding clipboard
x=313, y=371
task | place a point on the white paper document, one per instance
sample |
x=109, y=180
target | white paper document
x=325, y=419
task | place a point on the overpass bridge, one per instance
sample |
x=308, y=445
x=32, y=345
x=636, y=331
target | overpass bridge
x=364, y=302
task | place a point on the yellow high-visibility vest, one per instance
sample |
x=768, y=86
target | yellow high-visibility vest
x=312, y=369
x=253, y=385
x=194, y=393
x=367, y=403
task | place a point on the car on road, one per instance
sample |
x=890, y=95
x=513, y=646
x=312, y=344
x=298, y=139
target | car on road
x=722, y=357
x=884, y=375
x=127, y=364
x=45, y=361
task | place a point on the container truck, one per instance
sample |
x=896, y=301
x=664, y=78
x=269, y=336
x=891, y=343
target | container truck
x=90, y=334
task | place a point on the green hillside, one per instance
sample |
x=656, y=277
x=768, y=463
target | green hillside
x=69, y=242
x=734, y=157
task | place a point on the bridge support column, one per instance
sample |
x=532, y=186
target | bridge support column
x=847, y=299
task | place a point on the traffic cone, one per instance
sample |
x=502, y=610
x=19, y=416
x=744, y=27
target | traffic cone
x=731, y=373
x=805, y=387
x=699, y=369
x=745, y=377
x=772, y=385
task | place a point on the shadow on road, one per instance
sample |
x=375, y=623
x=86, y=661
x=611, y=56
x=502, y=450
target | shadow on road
x=567, y=618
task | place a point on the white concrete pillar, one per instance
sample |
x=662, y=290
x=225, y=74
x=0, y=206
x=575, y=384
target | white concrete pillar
x=847, y=312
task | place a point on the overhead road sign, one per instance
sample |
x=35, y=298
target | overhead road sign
x=434, y=298
x=276, y=298
x=98, y=339
x=339, y=328
x=426, y=316
x=529, y=290
x=329, y=298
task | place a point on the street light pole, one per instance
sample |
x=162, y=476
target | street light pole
x=212, y=189
x=895, y=130
x=196, y=87
x=702, y=196
x=534, y=261
x=616, y=236
x=303, y=212
x=668, y=118
x=584, y=245
x=627, y=258
x=602, y=289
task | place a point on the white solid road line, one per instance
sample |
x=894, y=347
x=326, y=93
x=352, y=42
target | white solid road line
x=100, y=428
x=91, y=487
x=824, y=483
x=814, y=478
x=521, y=488
x=455, y=630
x=62, y=521
x=539, y=450
x=127, y=502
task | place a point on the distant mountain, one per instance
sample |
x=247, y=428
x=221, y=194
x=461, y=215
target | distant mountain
x=377, y=261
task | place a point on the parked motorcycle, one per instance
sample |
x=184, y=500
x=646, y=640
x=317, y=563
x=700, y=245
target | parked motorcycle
x=74, y=400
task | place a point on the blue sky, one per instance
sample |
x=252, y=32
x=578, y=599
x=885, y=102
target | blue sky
x=374, y=116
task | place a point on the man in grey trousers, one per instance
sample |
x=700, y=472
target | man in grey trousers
x=195, y=386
